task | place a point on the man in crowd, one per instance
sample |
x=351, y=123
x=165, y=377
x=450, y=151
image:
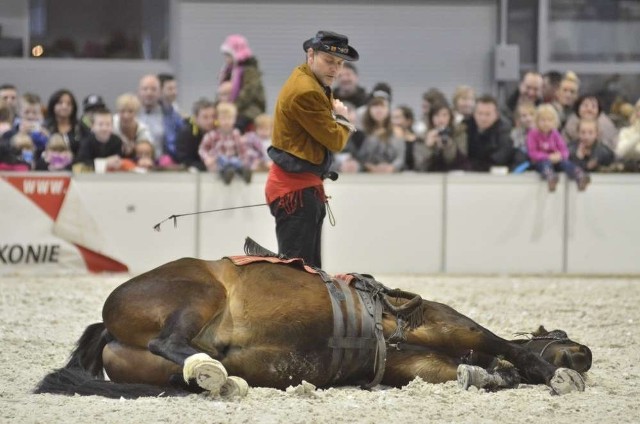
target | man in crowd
x=488, y=136
x=163, y=121
x=347, y=88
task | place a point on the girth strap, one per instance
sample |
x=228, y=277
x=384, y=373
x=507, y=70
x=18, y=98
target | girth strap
x=353, y=346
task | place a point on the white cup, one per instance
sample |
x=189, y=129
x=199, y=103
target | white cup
x=100, y=165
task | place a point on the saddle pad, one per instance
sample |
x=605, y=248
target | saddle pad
x=298, y=262
x=246, y=260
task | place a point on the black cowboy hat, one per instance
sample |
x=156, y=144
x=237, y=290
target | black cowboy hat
x=333, y=43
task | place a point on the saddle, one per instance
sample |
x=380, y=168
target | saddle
x=353, y=345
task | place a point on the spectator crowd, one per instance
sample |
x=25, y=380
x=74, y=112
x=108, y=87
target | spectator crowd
x=547, y=125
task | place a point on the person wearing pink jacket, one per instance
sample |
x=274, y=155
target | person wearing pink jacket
x=548, y=151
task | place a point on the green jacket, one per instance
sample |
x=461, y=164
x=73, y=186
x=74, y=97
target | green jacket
x=251, y=100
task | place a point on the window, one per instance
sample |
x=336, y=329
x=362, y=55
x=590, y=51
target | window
x=522, y=29
x=105, y=29
x=594, y=31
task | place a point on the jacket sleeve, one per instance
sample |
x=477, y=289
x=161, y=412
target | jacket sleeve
x=309, y=109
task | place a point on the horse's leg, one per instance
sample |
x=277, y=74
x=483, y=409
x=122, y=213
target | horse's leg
x=446, y=330
x=187, y=296
x=403, y=366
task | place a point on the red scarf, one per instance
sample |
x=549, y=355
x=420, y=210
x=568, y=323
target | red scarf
x=288, y=186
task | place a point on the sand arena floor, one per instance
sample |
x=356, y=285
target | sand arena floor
x=41, y=319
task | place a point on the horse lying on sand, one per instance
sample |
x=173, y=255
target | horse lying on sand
x=259, y=320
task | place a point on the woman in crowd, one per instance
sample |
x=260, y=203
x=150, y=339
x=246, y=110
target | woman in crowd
x=464, y=100
x=588, y=107
x=241, y=69
x=402, y=120
x=381, y=151
x=445, y=144
x=62, y=118
x=126, y=125
x=566, y=96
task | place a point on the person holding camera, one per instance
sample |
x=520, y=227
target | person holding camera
x=445, y=144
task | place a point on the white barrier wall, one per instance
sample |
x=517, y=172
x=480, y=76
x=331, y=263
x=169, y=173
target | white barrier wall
x=503, y=224
x=410, y=223
x=603, y=226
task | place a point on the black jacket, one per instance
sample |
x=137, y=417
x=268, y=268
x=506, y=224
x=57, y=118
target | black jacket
x=91, y=148
x=492, y=147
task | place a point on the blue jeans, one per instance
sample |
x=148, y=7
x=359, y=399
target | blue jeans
x=547, y=169
x=224, y=162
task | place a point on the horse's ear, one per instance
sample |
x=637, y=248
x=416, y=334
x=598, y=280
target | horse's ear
x=541, y=331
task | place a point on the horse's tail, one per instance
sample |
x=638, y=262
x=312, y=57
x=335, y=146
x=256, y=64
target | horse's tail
x=83, y=373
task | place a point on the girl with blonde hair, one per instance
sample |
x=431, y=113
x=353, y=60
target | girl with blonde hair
x=548, y=151
x=628, y=148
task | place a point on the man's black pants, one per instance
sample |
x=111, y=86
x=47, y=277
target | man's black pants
x=299, y=233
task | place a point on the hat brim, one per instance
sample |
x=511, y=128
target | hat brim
x=352, y=56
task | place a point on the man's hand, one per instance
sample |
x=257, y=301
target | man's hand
x=339, y=108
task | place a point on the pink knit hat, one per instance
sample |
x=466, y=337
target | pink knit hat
x=237, y=46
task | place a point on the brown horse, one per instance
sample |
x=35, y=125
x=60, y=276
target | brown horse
x=193, y=325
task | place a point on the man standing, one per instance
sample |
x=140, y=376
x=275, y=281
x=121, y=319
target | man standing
x=163, y=122
x=308, y=125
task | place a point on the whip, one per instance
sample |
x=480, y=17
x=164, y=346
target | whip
x=175, y=217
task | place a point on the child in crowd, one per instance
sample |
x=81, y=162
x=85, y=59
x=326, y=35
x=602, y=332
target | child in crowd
x=31, y=122
x=24, y=147
x=57, y=156
x=144, y=155
x=524, y=121
x=222, y=150
x=101, y=143
x=548, y=150
x=587, y=151
x=257, y=142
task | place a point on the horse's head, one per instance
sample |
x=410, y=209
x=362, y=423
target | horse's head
x=557, y=348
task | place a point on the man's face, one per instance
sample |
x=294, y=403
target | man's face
x=170, y=91
x=206, y=118
x=324, y=66
x=485, y=115
x=10, y=97
x=102, y=126
x=149, y=91
x=532, y=86
x=347, y=80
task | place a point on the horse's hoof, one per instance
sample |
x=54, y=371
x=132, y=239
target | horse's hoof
x=565, y=381
x=208, y=373
x=471, y=375
x=234, y=387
